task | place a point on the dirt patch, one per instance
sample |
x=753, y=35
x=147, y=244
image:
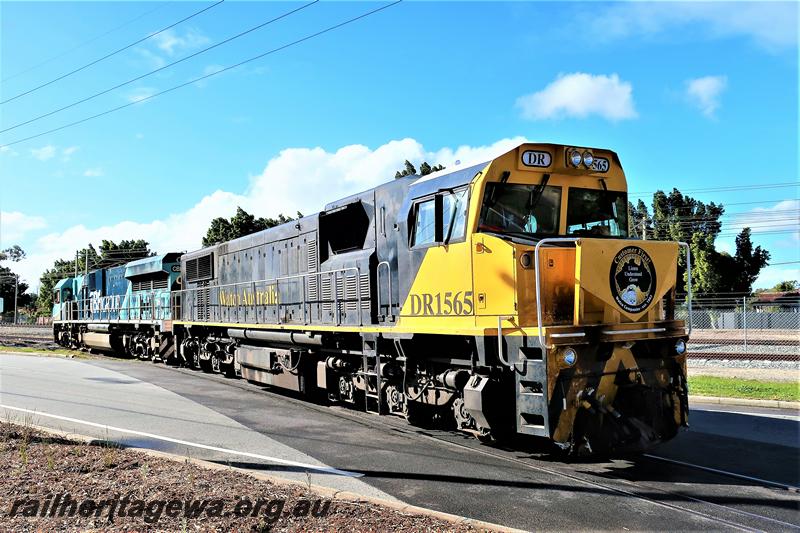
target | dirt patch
x=43, y=475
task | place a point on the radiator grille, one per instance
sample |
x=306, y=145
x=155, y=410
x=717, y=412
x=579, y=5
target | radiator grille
x=311, y=264
x=150, y=284
x=199, y=268
x=203, y=293
x=327, y=294
x=364, y=291
x=351, y=292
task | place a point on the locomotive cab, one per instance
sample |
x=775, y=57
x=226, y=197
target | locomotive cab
x=587, y=326
x=572, y=315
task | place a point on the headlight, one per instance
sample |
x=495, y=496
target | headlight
x=575, y=158
x=569, y=356
x=680, y=347
x=588, y=159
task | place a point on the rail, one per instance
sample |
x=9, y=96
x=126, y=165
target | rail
x=274, y=300
x=574, y=241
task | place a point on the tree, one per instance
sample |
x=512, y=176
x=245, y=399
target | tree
x=748, y=261
x=410, y=170
x=15, y=253
x=639, y=221
x=785, y=286
x=676, y=217
x=10, y=285
x=239, y=225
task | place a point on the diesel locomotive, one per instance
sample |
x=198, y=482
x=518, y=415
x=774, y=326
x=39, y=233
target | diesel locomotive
x=502, y=298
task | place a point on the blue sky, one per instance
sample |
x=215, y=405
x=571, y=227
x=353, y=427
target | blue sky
x=690, y=95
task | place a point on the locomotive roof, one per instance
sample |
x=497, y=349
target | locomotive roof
x=63, y=282
x=150, y=265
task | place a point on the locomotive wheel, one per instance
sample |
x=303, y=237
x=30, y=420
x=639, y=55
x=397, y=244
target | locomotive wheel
x=205, y=365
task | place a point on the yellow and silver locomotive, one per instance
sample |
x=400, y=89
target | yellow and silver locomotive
x=503, y=298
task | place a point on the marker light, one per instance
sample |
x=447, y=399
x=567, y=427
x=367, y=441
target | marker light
x=575, y=158
x=569, y=356
x=680, y=347
x=588, y=159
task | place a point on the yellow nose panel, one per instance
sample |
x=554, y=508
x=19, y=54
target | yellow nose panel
x=630, y=276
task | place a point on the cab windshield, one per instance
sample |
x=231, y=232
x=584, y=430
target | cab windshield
x=522, y=210
x=597, y=213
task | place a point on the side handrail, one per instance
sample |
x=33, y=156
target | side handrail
x=500, y=351
x=537, y=275
x=688, y=284
x=378, y=283
x=337, y=278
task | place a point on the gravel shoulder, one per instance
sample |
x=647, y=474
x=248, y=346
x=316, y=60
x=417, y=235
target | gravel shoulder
x=761, y=374
x=160, y=494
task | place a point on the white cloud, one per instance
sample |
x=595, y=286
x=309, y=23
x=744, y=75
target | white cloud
x=771, y=25
x=15, y=225
x=66, y=153
x=303, y=179
x=771, y=276
x=704, y=93
x=6, y=150
x=784, y=215
x=93, y=172
x=580, y=95
x=171, y=42
x=139, y=94
x=44, y=153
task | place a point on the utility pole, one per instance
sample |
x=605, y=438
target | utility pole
x=16, y=286
x=76, y=264
x=644, y=229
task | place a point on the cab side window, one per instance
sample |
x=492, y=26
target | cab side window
x=424, y=223
x=455, y=215
x=451, y=223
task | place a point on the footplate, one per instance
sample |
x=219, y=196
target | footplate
x=530, y=378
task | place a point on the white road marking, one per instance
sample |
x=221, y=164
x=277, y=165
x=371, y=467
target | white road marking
x=326, y=469
x=795, y=418
x=724, y=472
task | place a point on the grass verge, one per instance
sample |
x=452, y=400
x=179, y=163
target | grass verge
x=744, y=388
x=60, y=352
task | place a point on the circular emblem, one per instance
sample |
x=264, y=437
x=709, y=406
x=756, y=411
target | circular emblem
x=632, y=279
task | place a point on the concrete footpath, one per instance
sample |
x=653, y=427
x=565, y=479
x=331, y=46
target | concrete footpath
x=717, y=400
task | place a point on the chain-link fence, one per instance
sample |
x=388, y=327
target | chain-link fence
x=761, y=327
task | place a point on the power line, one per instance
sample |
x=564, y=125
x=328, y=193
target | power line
x=145, y=75
x=190, y=82
x=723, y=189
x=84, y=43
x=764, y=201
x=87, y=65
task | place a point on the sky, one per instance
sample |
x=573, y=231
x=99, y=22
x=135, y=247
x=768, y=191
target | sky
x=691, y=95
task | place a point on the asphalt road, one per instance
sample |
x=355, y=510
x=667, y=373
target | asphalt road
x=522, y=487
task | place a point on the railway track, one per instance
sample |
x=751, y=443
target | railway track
x=599, y=477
